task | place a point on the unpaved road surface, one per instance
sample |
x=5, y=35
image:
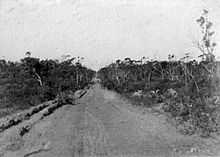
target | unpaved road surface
x=102, y=124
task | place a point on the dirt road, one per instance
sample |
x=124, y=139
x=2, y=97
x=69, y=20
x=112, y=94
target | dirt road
x=102, y=124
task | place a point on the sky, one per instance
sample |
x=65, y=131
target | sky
x=102, y=31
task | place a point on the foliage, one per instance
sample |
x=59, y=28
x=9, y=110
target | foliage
x=206, y=45
x=32, y=81
x=197, y=83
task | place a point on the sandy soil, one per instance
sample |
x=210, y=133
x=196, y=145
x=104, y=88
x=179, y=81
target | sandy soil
x=102, y=124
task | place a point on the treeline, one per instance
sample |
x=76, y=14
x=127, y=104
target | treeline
x=131, y=75
x=32, y=81
x=188, y=90
x=194, y=104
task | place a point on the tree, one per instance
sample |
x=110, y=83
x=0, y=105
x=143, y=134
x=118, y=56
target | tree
x=32, y=81
x=32, y=66
x=28, y=54
x=206, y=45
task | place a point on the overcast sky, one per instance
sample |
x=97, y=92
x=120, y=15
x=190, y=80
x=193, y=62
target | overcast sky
x=103, y=30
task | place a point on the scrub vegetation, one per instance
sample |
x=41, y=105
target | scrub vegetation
x=188, y=90
x=32, y=81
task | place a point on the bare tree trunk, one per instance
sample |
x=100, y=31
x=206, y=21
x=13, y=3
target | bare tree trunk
x=39, y=79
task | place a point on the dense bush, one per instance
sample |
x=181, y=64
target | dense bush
x=32, y=81
x=196, y=83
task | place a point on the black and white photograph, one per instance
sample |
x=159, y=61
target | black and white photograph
x=109, y=78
